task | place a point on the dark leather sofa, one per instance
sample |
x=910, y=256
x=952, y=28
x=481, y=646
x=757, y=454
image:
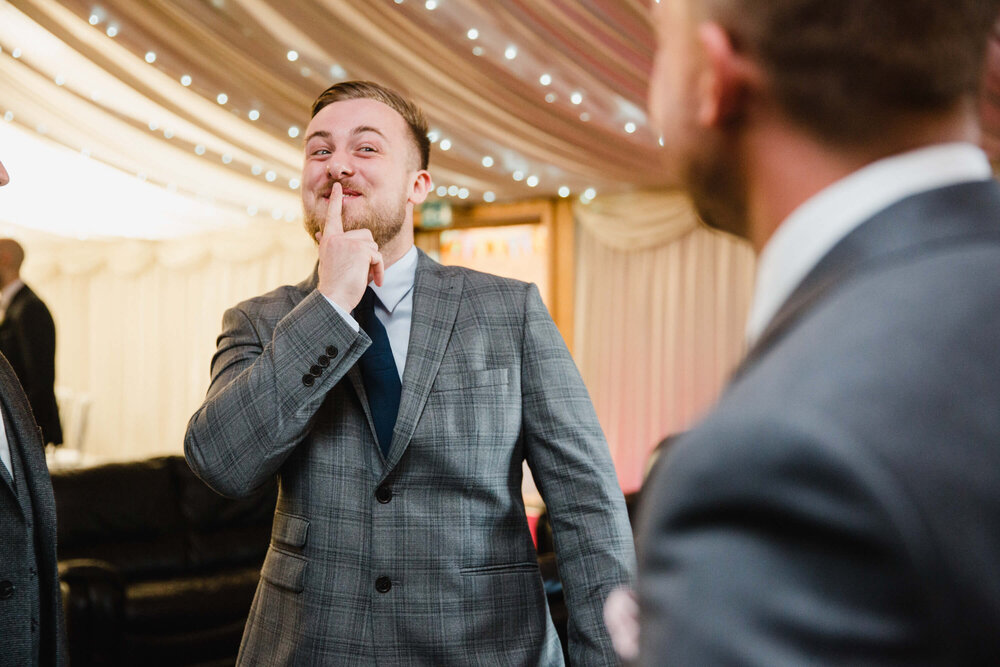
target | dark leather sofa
x=156, y=568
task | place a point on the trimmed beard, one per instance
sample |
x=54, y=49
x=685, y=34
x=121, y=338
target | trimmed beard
x=384, y=221
x=716, y=181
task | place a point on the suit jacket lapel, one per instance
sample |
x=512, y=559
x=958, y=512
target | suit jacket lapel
x=926, y=220
x=22, y=434
x=5, y=474
x=436, y=297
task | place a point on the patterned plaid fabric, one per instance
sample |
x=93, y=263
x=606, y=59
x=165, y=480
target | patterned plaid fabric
x=422, y=557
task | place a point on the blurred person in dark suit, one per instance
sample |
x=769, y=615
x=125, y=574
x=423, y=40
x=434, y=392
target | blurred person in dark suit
x=31, y=620
x=28, y=340
x=841, y=504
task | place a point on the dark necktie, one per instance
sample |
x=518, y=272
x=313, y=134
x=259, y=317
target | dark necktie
x=378, y=371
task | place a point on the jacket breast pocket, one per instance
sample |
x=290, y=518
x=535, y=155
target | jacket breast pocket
x=490, y=377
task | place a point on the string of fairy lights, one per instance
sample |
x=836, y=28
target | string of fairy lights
x=517, y=169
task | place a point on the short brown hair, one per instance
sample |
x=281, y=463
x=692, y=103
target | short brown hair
x=367, y=90
x=845, y=69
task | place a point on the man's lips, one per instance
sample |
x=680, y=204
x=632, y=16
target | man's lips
x=348, y=194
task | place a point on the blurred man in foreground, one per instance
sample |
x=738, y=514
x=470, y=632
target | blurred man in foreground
x=841, y=505
x=31, y=617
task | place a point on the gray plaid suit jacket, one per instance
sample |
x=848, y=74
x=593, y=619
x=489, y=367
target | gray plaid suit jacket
x=423, y=557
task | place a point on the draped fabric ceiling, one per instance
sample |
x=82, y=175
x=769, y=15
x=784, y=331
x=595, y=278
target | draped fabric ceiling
x=524, y=96
x=79, y=73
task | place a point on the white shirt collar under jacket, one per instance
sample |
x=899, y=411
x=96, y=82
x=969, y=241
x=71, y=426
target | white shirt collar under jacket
x=397, y=281
x=817, y=225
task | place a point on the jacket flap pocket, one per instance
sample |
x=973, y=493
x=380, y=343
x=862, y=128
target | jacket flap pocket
x=289, y=529
x=284, y=569
x=469, y=380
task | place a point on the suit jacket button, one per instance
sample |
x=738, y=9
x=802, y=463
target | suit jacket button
x=383, y=584
x=323, y=360
x=308, y=380
x=331, y=351
x=315, y=370
x=7, y=588
x=383, y=494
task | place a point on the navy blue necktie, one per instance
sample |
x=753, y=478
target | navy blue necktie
x=378, y=371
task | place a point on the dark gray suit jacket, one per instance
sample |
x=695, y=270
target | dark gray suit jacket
x=423, y=557
x=841, y=505
x=31, y=615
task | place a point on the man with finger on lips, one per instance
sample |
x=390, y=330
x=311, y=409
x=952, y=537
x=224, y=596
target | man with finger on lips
x=396, y=400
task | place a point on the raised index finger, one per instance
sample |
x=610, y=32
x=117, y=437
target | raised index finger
x=334, y=211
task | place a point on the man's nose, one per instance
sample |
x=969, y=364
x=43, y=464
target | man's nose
x=4, y=177
x=338, y=168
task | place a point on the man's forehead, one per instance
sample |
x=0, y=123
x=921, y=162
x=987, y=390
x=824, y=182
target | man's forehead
x=353, y=116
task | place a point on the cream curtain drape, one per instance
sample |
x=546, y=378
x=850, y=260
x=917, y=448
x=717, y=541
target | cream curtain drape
x=136, y=322
x=660, y=308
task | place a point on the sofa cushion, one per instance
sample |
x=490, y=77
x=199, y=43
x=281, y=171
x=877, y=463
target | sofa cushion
x=187, y=603
x=224, y=531
x=123, y=513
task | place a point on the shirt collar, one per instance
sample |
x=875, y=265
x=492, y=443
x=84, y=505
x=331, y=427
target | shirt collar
x=8, y=292
x=397, y=281
x=822, y=221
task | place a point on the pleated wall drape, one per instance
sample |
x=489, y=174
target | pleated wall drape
x=661, y=303
x=136, y=323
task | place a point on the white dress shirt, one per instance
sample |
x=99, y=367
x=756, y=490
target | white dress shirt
x=394, y=306
x=6, y=295
x=823, y=220
x=5, y=447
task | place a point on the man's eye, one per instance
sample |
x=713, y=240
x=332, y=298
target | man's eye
x=367, y=149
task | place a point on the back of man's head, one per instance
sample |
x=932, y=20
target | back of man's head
x=11, y=256
x=846, y=70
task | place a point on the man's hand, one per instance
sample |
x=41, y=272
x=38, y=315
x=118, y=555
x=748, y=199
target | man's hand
x=348, y=261
x=621, y=616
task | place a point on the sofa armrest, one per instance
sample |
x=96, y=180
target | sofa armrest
x=93, y=598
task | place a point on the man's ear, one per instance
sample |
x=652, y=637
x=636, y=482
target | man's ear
x=727, y=77
x=420, y=187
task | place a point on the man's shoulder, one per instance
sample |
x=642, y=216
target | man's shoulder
x=482, y=285
x=276, y=302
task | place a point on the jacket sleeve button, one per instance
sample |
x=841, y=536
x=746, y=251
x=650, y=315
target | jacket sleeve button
x=323, y=360
x=315, y=370
x=331, y=351
x=308, y=380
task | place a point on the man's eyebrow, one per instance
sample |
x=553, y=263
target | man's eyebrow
x=323, y=134
x=361, y=129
